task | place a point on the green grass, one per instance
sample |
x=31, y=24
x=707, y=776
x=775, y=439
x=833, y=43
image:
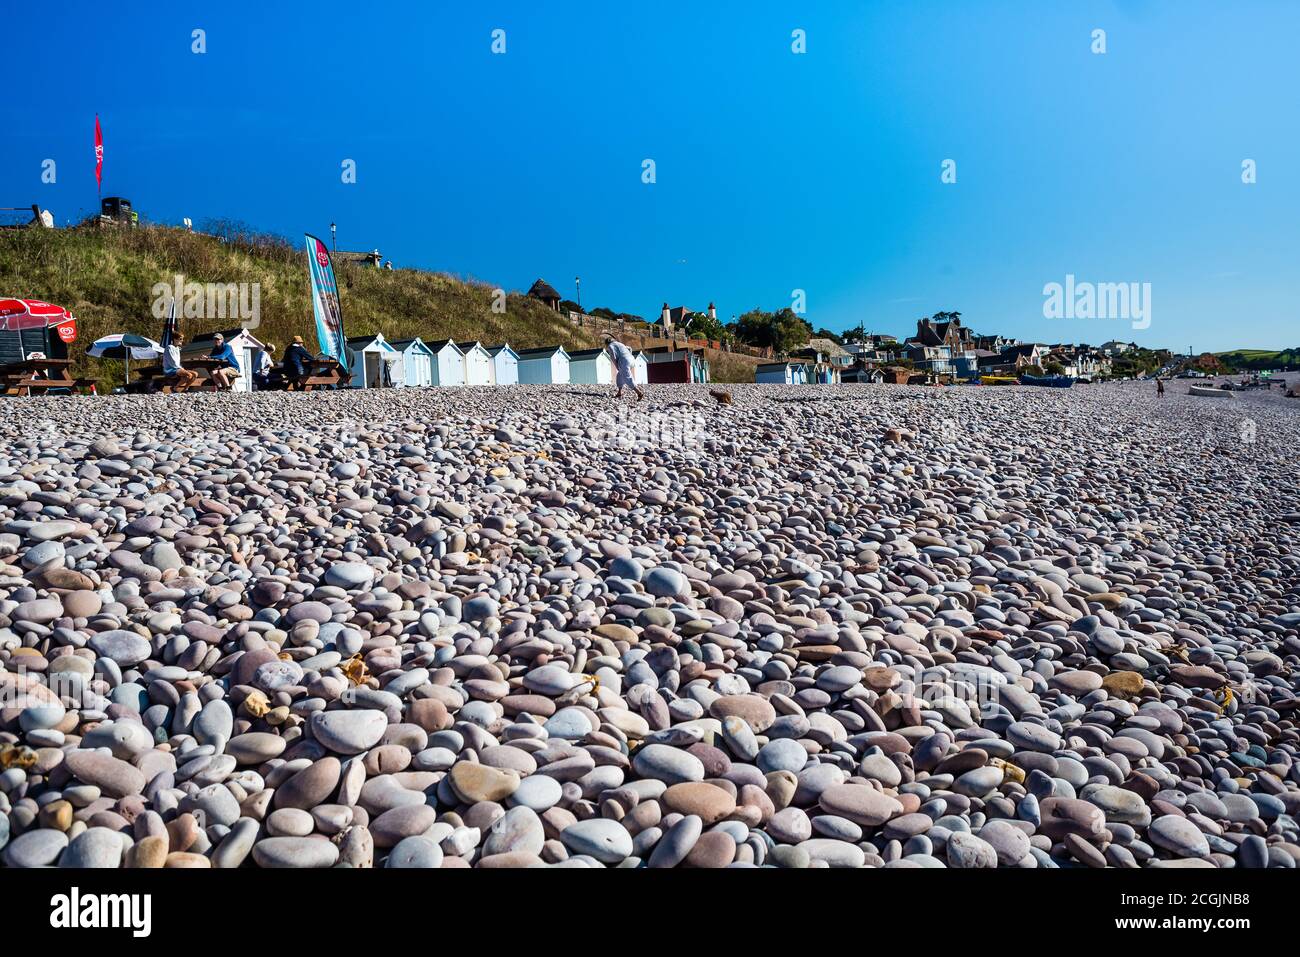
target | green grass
x=1260, y=358
x=105, y=276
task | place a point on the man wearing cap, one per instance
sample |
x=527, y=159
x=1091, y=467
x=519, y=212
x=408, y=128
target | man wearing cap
x=624, y=366
x=229, y=369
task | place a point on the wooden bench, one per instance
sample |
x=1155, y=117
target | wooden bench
x=36, y=375
x=321, y=374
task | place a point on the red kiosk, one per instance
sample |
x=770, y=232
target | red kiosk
x=34, y=338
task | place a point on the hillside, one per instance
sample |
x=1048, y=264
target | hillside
x=105, y=276
x=1248, y=359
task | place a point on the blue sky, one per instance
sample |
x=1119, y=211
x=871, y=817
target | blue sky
x=775, y=171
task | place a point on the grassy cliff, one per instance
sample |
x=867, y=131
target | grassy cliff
x=105, y=276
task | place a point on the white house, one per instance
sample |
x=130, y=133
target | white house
x=479, y=368
x=417, y=361
x=505, y=362
x=246, y=347
x=787, y=373
x=375, y=364
x=591, y=367
x=545, y=366
x=448, y=363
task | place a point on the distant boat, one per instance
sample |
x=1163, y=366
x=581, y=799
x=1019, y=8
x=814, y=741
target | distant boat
x=1209, y=392
x=996, y=380
x=1051, y=381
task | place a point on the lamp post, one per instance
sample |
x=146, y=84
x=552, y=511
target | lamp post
x=577, y=283
x=334, y=238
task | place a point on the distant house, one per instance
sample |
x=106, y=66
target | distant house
x=479, y=368
x=546, y=366
x=675, y=317
x=448, y=363
x=246, y=347
x=1010, y=361
x=1116, y=348
x=505, y=364
x=375, y=364
x=417, y=361
x=591, y=367
x=544, y=291
x=784, y=373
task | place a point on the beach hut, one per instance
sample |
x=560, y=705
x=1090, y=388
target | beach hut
x=670, y=364
x=505, y=362
x=591, y=367
x=417, y=361
x=546, y=366
x=448, y=363
x=479, y=368
x=784, y=373
x=375, y=364
x=246, y=347
x=638, y=369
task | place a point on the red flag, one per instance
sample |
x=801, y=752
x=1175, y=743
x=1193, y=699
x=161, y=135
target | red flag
x=99, y=156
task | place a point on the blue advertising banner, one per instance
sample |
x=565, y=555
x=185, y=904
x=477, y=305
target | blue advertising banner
x=325, y=302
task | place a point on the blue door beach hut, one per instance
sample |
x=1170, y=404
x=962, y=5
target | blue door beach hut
x=591, y=367
x=505, y=362
x=417, y=361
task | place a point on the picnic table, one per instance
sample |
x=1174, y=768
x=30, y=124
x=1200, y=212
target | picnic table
x=40, y=375
x=152, y=378
x=322, y=372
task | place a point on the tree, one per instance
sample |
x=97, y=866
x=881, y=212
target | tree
x=827, y=334
x=780, y=331
x=1052, y=367
x=700, y=325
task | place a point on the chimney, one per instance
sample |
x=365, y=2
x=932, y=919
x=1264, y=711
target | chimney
x=665, y=317
x=713, y=312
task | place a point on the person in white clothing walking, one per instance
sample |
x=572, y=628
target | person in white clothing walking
x=624, y=367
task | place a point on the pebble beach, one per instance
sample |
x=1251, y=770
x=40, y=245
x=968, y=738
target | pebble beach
x=846, y=627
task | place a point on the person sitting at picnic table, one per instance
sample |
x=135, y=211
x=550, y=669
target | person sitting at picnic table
x=296, y=362
x=172, y=367
x=265, y=366
x=230, y=370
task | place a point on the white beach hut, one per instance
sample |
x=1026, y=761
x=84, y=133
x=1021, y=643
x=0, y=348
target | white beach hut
x=506, y=364
x=639, y=375
x=787, y=373
x=417, y=361
x=246, y=347
x=479, y=368
x=448, y=363
x=375, y=364
x=591, y=367
x=546, y=366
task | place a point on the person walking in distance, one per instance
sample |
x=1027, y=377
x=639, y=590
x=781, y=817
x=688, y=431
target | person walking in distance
x=624, y=367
